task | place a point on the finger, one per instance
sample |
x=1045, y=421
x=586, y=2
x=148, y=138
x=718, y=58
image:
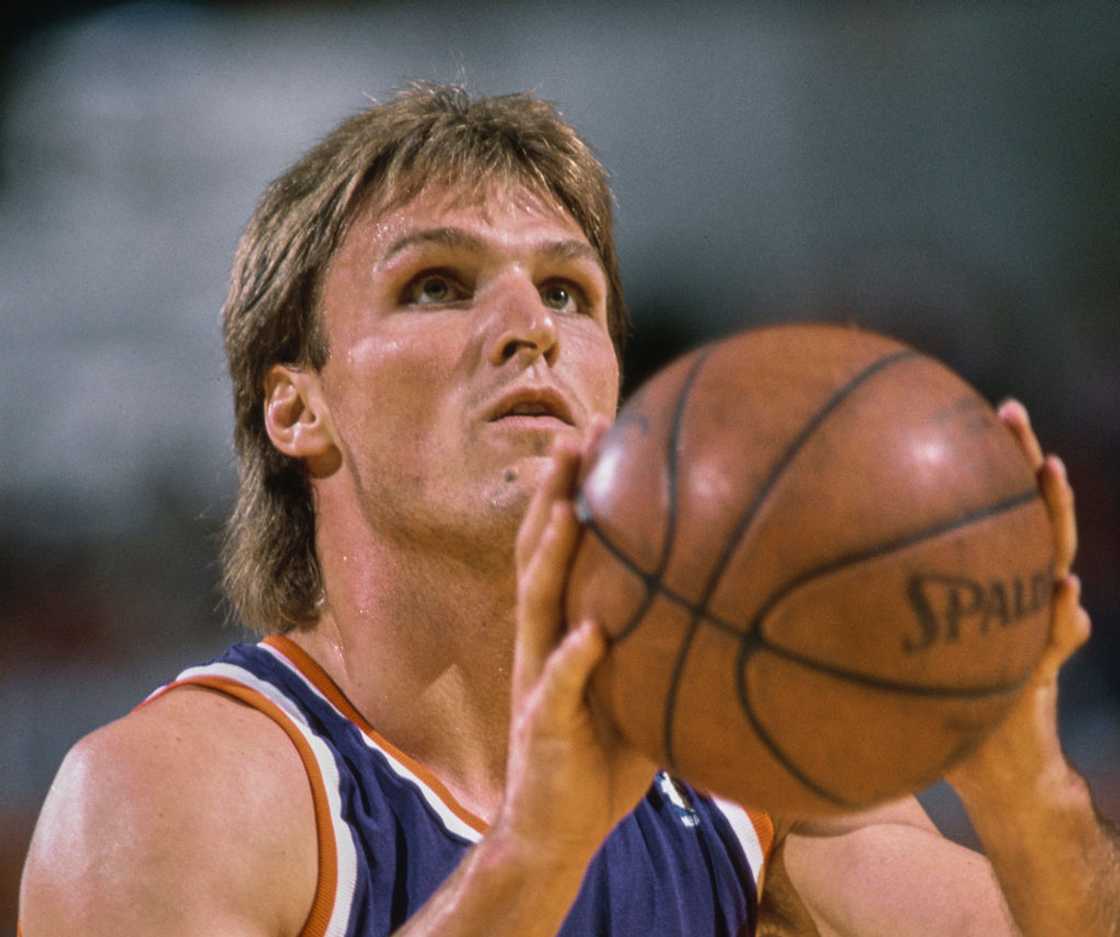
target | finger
x=1071, y=622
x=564, y=684
x=1015, y=417
x=557, y=483
x=1070, y=629
x=540, y=593
x=1059, y=499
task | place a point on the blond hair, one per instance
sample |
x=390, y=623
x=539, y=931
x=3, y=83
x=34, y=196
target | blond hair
x=384, y=156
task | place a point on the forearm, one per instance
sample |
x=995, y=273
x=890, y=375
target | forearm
x=500, y=888
x=1057, y=860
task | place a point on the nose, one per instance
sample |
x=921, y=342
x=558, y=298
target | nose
x=522, y=326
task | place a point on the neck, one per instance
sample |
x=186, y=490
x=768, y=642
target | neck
x=421, y=642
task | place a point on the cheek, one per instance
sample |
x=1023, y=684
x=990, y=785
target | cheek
x=610, y=387
x=600, y=375
x=388, y=384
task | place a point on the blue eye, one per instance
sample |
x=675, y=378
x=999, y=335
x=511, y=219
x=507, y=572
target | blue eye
x=433, y=289
x=560, y=297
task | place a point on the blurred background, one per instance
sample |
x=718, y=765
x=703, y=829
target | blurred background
x=948, y=172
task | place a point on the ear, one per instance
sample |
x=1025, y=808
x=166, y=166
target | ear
x=297, y=418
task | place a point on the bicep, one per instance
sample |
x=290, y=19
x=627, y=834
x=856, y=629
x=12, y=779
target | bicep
x=890, y=872
x=782, y=911
x=129, y=842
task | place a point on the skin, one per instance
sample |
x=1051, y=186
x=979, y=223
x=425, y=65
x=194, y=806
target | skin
x=429, y=513
x=1072, y=858
x=419, y=493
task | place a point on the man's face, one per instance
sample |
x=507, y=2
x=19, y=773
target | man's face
x=464, y=335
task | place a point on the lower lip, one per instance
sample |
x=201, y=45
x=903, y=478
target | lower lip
x=526, y=423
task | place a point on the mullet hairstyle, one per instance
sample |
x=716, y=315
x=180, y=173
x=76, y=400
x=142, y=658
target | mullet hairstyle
x=381, y=158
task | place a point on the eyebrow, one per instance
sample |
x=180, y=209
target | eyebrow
x=459, y=239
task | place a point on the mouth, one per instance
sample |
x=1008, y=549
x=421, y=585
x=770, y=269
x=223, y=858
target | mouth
x=532, y=406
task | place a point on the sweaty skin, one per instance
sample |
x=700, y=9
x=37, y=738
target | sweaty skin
x=445, y=531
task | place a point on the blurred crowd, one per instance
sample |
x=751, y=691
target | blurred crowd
x=944, y=172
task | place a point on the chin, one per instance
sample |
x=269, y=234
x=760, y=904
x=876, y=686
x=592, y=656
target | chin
x=515, y=484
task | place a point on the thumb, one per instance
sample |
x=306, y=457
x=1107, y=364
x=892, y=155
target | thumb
x=1069, y=630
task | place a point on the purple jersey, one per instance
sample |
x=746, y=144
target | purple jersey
x=390, y=833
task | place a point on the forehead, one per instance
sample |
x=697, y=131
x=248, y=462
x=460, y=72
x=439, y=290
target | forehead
x=502, y=215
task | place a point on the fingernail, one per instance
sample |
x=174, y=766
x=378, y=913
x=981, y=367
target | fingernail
x=1059, y=465
x=1012, y=407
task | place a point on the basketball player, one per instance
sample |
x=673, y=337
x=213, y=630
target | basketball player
x=423, y=335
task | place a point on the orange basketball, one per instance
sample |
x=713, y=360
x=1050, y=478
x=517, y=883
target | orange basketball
x=823, y=563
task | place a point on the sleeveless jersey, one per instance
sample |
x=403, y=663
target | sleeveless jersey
x=390, y=833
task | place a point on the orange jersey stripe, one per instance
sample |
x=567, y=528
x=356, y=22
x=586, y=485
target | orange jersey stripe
x=325, y=889
x=322, y=681
x=760, y=820
x=764, y=829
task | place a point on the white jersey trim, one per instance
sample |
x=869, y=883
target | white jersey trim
x=745, y=833
x=446, y=815
x=345, y=853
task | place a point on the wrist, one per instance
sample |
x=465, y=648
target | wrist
x=1004, y=800
x=502, y=888
x=998, y=777
x=536, y=857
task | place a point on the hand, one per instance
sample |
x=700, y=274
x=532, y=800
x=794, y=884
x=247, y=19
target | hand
x=570, y=778
x=1025, y=747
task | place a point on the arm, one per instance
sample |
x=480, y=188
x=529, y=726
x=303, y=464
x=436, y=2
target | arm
x=1057, y=860
x=157, y=825
x=885, y=872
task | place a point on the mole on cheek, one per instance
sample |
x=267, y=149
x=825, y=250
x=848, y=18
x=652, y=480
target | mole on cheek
x=510, y=475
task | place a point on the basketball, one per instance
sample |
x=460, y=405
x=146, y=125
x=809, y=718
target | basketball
x=822, y=563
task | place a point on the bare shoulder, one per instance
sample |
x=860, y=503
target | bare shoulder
x=190, y=815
